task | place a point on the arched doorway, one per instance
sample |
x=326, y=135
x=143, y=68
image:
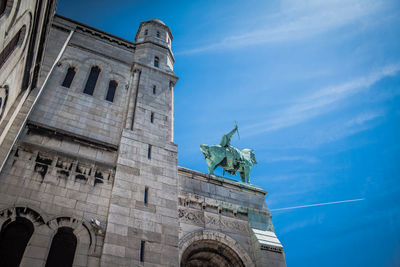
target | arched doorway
x=14, y=238
x=210, y=253
x=211, y=248
x=62, y=250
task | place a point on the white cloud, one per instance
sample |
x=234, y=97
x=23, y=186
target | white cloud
x=293, y=158
x=295, y=21
x=360, y=123
x=318, y=103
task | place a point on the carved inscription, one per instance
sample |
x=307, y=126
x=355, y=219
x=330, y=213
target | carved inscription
x=191, y=216
x=214, y=221
x=225, y=223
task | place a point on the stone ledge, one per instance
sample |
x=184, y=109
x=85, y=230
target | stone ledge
x=222, y=181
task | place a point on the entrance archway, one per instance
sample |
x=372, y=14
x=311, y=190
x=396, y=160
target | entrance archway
x=211, y=249
x=210, y=253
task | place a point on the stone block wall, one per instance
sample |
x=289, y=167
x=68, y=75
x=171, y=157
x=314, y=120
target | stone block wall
x=71, y=110
x=108, y=170
x=55, y=182
x=131, y=219
x=229, y=212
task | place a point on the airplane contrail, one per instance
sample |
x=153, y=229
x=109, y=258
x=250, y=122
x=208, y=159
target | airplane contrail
x=319, y=204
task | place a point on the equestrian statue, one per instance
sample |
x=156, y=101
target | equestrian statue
x=229, y=158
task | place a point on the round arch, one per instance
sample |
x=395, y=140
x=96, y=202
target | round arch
x=214, y=247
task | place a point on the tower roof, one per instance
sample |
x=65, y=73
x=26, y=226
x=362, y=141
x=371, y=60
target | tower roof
x=155, y=20
x=158, y=21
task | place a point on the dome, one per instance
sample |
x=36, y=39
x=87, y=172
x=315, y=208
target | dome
x=158, y=21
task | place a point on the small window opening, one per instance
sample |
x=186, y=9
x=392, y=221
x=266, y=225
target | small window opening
x=112, y=87
x=156, y=62
x=142, y=243
x=152, y=117
x=11, y=46
x=146, y=31
x=3, y=5
x=69, y=77
x=149, y=152
x=92, y=80
x=146, y=195
x=158, y=34
x=154, y=89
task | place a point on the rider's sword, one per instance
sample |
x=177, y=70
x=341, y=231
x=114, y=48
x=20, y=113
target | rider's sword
x=237, y=129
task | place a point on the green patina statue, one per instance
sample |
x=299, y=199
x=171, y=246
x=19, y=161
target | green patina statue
x=229, y=158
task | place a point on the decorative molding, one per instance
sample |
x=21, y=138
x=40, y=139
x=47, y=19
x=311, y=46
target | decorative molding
x=200, y=202
x=191, y=216
x=46, y=164
x=204, y=219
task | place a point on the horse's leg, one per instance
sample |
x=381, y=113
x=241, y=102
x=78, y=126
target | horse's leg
x=247, y=172
x=242, y=177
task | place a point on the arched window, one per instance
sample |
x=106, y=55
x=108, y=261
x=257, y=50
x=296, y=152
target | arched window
x=92, y=80
x=154, y=89
x=7, y=51
x=3, y=5
x=112, y=87
x=3, y=100
x=158, y=34
x=146, y=32
x=156, y=62
x=69, y=77
x=14, y=238
x=62, y=250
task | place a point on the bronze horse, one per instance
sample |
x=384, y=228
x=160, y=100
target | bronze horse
x=230, y=159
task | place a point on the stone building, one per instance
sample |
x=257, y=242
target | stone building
x=89, y=165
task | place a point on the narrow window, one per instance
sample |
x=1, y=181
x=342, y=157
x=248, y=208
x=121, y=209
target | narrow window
x=156, y=62
x=14, y=238
x=146, y=32
x=142, y=251
x=152, y=117
x=3, y=5
x=62, y=250
x=158, y=34
x=69, y=77
x=149, y=152
x=92, y=80
x=7, y=51
x=154, y=89
x=146, y=195
x=112, y=87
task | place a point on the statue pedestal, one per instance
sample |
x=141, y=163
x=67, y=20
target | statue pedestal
x=232, y=213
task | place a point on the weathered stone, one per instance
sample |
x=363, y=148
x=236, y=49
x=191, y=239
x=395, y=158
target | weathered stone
x=107, y=171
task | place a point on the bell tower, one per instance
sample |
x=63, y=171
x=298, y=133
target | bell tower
x=143, y=217
x=152, y=38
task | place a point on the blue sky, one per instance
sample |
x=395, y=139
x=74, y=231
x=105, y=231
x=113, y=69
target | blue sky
x=315, y=88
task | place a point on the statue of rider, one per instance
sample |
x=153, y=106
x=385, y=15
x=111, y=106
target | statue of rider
x=233, y=156
x=226, y=139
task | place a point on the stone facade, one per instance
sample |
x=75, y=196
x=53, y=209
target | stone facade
x=23, y=32
x=101, y=163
